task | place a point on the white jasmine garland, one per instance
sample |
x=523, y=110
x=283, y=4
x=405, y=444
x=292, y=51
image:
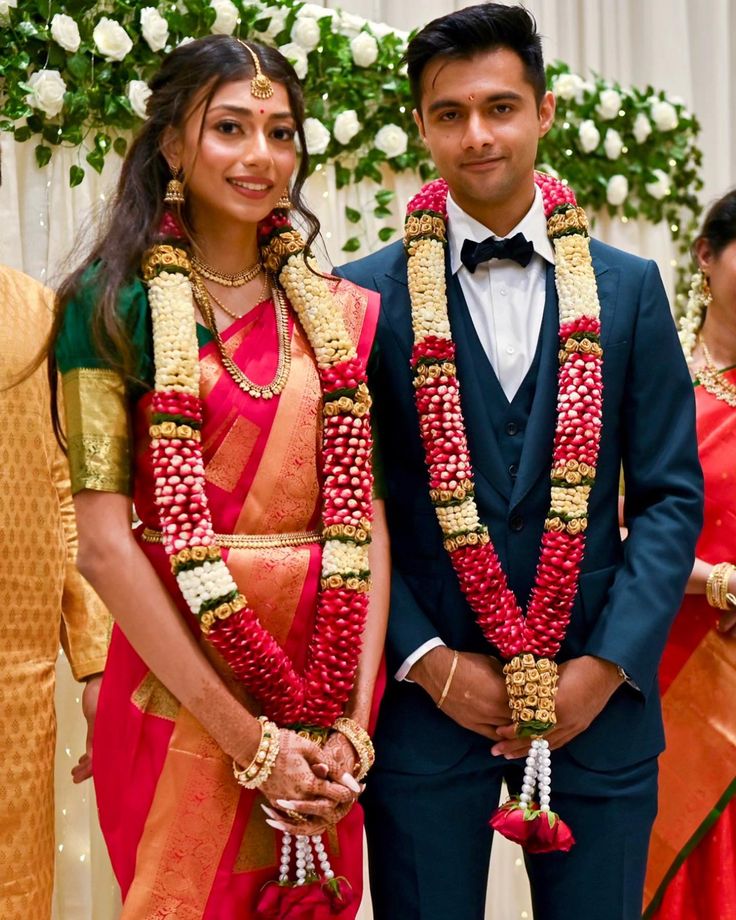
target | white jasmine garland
x=47, y=92
x=617, y=189
x=305, y=32
x=391, y=140
x=154, y=28
x=613, y=144
x=588, y=135
x=138, y=93
x=609, y=105
x=298, y=57
x=642, y=128
x=664, y=115
x=346, y=126
x=661, y=186
x=226, y=17
x=111, y=39
x=317, y=136
x=65, y=32
x=567, y=86
x=364, y=49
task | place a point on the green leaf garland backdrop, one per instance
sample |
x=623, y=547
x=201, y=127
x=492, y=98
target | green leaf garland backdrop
x=74, y=74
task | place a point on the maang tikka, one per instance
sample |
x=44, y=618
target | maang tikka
x=260, y=86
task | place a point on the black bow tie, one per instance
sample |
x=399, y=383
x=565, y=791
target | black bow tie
x=518, y=248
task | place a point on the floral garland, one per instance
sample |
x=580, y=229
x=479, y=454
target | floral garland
x=528, y=642
x=318, y=695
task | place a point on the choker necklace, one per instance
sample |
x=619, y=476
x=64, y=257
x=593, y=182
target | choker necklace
x=236, y=280
x=261, y=297
x=713, y=381
x=257, y=390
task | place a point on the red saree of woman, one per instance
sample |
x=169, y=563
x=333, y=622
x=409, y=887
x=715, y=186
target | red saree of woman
x=692, y=860
x=186, y=841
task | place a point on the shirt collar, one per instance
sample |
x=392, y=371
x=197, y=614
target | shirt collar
x=461, y=226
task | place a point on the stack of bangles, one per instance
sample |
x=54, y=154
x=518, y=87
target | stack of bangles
x=259, y=769
x=360, y=740
x=716, y=587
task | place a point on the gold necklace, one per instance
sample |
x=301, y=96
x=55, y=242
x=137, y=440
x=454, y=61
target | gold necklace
x=712, y=380
x=228, y=312
x=237, y=280
x=257, y=390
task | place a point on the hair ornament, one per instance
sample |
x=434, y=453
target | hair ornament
x=260, y=86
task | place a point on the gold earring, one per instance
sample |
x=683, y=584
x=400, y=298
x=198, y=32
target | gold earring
x=284, y=202
x=175, y=190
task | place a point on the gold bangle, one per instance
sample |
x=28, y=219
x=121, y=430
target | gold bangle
x=716, y=586
x=259, y=769
x=360, y=740
x=448, y=682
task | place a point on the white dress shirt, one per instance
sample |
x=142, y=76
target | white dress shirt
x=506, y=304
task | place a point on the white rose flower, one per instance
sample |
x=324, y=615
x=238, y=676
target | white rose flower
x=316, y=135
x=47, y=91
x=298, y=57
x=111, y=39
x=314, y=11
x=567, y=85
x=347, y=24
x=617, y=189
x=664, y=115
x=588, y=135
x=154, y=28
x=365, y=49
x=138, y=93
x=185, y=40
x=65, y=32
x=226, y=17
x=276, y=16
x=346, y=126
x=609, y=105
x=642, y=128
x=391, y=140
x=381, y=30
x=305, y=32
x=613, y=144
x=6, y=5
x=661, y=186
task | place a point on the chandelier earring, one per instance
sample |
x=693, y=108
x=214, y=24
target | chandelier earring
x=175, y=190
x=698, y=300
x=284, y=202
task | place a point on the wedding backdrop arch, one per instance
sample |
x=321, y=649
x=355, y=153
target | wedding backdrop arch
x=685, y=48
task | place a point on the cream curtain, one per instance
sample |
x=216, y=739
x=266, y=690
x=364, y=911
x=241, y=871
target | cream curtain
x=687, y=47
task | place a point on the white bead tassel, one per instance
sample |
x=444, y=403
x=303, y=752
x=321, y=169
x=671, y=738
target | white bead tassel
x=308, y=852
x=285, y=858
x=537, y=772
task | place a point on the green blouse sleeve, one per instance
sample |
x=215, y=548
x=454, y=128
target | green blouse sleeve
x=97, y=400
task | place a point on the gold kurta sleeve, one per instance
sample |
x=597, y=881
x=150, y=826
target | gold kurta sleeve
x=97, y=430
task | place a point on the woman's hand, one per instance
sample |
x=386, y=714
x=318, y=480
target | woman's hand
x=302, y=780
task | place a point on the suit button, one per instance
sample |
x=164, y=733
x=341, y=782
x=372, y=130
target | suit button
x=516, y=522
x=513, y=470
x=512, y=428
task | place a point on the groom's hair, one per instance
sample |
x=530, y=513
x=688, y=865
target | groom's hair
x=472, y=31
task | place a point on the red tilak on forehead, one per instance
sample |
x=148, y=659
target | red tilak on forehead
x=262, y=111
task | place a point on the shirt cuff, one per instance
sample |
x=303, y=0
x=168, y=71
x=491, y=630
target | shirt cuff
x=415, y=656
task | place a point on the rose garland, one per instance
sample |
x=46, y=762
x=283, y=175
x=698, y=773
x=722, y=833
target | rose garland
x=318, y=695
x=528, y=642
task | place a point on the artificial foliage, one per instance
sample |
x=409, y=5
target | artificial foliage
x=78, y=81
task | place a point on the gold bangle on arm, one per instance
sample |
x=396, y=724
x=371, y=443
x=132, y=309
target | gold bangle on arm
x=716, y=587
x=259, y=769
x=360, y=740
x=448, y=682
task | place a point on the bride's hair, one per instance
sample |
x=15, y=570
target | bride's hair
x=191, y=73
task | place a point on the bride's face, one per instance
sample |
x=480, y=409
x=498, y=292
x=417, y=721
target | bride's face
x=238, y=156
x=721, y=272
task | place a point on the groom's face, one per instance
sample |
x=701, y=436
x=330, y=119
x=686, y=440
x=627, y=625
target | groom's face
x=482, y=123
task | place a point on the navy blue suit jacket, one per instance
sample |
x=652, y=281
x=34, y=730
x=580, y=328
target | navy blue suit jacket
x=629, y=592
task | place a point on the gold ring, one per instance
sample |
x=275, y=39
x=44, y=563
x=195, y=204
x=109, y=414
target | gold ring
x=295, y=815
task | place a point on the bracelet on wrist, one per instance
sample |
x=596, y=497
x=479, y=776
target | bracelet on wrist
x=259, y=769
x=448, y=682
x=361, y=742
x=716, y=586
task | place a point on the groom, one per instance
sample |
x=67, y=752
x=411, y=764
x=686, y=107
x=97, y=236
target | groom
x=444, y=741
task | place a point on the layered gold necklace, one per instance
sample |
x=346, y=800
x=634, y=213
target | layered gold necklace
x=712, y=379
x=257, y=390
